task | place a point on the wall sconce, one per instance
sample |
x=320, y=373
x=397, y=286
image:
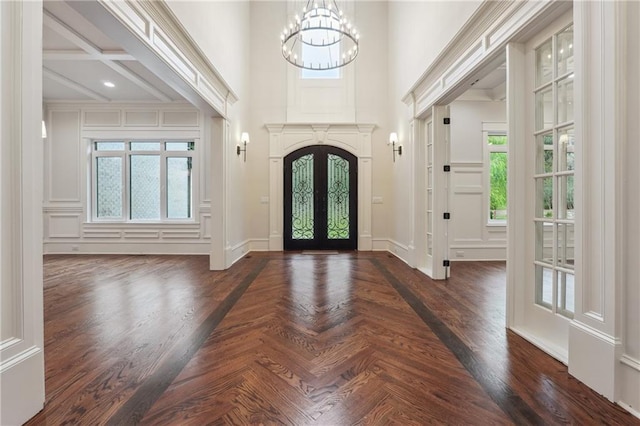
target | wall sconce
x=393, y=140
x=244, y=138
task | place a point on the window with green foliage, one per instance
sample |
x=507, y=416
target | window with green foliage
x=497, y=149
x=142, y=180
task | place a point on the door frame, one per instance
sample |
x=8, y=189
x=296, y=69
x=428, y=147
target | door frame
x=320, y=180
x=22, y=372
x=353, y=138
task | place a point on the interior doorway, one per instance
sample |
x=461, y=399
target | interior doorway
x=320, y=199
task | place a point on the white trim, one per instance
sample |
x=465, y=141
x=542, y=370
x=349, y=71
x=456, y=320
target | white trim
x=630, y=361
x=479, y=44
x=561, y=354
x=152, y=33
x=103, y=246
x=286, y=138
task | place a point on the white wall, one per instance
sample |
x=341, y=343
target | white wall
x=68, y=226
x=470, y=236
x=268, y=105
x=222, y=31
x=630, y=371
x=418, y=32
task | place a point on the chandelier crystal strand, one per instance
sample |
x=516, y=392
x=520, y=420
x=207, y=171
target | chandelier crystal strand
x=324, y=34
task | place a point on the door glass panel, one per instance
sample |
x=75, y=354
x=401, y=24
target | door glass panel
x=544, y=242
x=544, y=108
x=565, y=199
x=566, y=148
x=302, y=198
x=555, y=165
x=564, y=51
x=145, y=187
x=337, y=197
x=544, y=64
x=565, y=100
x=544, y=160
x=544, y=286
x=566, y=293
x=565, y=245
x=109, y=187
x=544, y=198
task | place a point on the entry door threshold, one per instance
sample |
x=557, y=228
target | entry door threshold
x=319, y=252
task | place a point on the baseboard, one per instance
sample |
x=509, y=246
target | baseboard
x=120, y=247
x=594, y=358
x=629, y=377
x=550, y=349
x=477, y=253
x=22, y=387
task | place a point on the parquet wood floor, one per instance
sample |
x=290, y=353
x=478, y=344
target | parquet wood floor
x=296, y=339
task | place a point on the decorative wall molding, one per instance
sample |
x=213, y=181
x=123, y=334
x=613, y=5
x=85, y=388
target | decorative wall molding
x=479, y=44
x=286, y=138
x=66, y=222
x=154, y=35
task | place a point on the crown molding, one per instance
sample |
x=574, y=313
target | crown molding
x=479, y=43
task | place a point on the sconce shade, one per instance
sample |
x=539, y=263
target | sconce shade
x=393, y=137
x=244, y=138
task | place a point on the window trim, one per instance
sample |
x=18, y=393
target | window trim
x=125, y=155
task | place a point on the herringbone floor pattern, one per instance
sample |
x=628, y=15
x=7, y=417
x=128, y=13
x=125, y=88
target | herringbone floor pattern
x=294, y=339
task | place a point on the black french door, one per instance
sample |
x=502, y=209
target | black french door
x=320, y=199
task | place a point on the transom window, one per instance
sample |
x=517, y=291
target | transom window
x=554, y=173
x=139, y=180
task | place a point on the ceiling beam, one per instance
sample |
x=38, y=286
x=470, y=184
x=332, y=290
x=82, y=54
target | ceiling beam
x=71, y=35
x=81, y=55
x=52, y=75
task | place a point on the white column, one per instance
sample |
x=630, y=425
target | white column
x=595, y=334
x=517, y=188
x=216, y=130
x=21, y=190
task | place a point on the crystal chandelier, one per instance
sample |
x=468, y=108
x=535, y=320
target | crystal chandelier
x=320, y=38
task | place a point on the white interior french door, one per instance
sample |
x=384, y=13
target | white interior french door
x=542, y=218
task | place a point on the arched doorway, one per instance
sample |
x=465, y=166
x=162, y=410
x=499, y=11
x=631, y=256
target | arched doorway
x=320, y=199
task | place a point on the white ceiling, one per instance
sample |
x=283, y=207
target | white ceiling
x=78, y=58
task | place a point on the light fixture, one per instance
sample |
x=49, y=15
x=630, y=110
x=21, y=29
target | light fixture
x=393, y=140
x=44, y=130
x=109, y=84
x=320, y=38
x=244, y=138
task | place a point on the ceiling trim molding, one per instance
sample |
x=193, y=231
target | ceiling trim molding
x=159, y=41
x=94, y=51
x=81, y=55
x=479, y=44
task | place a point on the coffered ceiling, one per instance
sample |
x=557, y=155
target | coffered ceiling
x=78, y=59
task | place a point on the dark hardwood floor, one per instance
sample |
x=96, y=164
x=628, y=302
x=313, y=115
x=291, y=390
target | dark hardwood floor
x=344, y=339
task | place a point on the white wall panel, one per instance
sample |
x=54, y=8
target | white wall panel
x=63, y=225
x=67, y=201
x=141, y=118
x=180, y=118
x=63, y=154
x=102, y=118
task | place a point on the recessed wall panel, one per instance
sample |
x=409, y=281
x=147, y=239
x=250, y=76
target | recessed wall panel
x=63, y=153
